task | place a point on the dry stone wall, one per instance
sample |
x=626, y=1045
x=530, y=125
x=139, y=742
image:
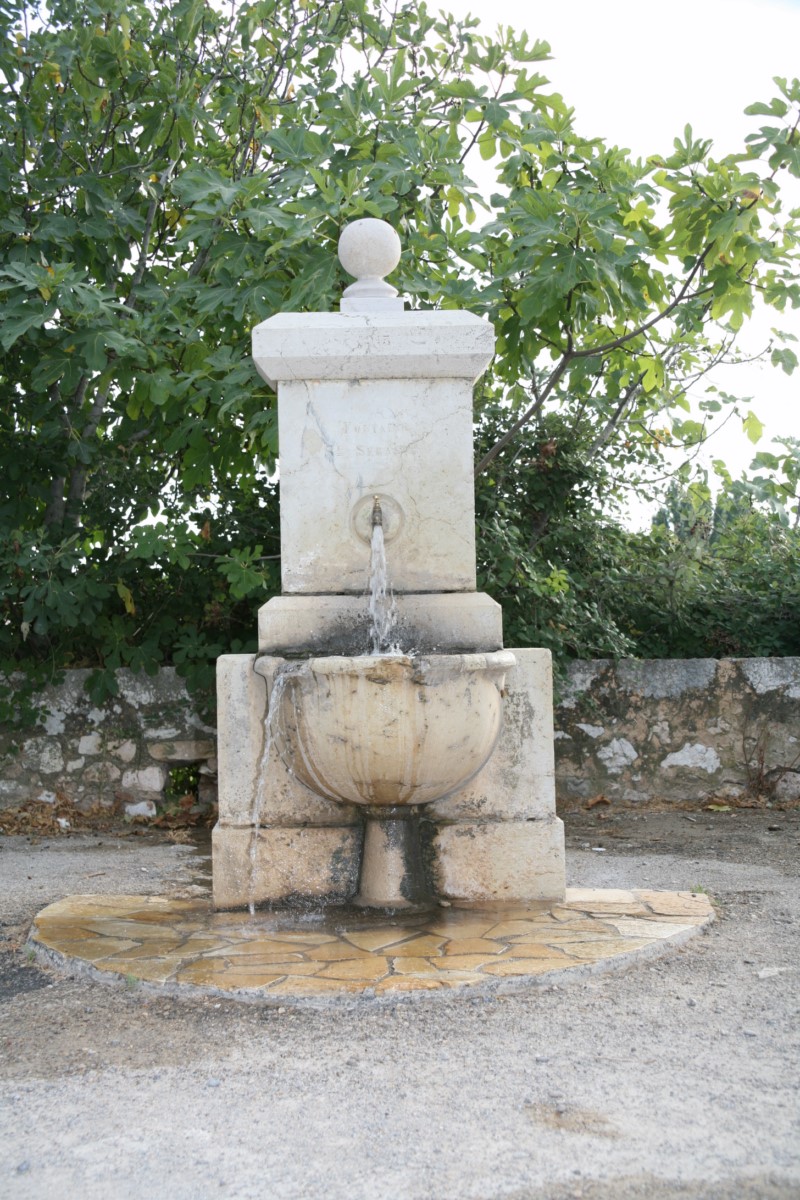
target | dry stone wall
x=116, y=753
x=639, y=733
x=679, y=731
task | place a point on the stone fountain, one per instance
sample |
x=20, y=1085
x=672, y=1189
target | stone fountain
x=386, y=783
x=389, y=770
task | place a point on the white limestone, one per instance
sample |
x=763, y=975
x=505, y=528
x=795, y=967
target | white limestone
x=500, y=860
x=362, y=346
x=618, y=754
x=369, y=249
x=43, y=754
x=241, y=710
x=518, y=781
x=592, y=731
x=147, y=779
x=408, y=441
x=694, y=755
x=391, y=730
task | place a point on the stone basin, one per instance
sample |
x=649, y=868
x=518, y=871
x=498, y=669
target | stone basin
x=387, y=731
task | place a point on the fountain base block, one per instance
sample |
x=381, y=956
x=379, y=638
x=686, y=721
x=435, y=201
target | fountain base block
x=433, y=623
x=496, y=839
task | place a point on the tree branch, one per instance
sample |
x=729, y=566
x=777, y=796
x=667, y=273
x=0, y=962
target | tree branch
x=530, y=412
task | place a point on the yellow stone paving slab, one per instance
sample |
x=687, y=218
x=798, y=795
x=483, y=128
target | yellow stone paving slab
x=407, y=983
x=336, y=952
x=219, y=974
x=418, y=947
x=461, y=927
x=414, y=966
x=242, y=954
x=648, y=929
x=86, y=948
x=110, y=927
x=525, y=966
x=376, y=939
x=76, y=907
x=462, y=962
x=150, y=970
x=505, y=930
x=301, y=939
x=310, y=987
x=134, y=953
x=676, y=904
x=536, y=950
x=366, y=969
x=473, y=946
x=195, y=943
x=592, y=951
x=291, y=968
x=564, y=936
x=456, y=979
x=229, y=981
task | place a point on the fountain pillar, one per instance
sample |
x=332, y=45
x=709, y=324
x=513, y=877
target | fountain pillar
x=376, y=401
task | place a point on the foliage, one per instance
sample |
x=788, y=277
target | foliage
x=173, y=175
x=709, y=579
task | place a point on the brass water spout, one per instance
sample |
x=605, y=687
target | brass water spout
x=377, y=512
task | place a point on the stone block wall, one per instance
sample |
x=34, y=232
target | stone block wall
x=639, y=733
x=116, y=753
x=679, y=731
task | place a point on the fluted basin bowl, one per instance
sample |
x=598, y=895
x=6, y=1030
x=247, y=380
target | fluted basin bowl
x=391, y=730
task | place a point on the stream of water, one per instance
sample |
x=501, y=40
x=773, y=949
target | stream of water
x=382, y=608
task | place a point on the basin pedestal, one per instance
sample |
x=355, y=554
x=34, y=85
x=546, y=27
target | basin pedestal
x=393, y=874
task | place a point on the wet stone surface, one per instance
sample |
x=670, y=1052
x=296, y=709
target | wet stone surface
x=346, y=953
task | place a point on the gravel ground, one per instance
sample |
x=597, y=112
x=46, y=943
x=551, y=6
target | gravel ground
x=675, y=1079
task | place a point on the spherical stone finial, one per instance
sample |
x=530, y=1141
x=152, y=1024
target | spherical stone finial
x=369, y=249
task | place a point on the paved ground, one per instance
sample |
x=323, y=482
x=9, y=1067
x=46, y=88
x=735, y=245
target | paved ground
x=676, y=1079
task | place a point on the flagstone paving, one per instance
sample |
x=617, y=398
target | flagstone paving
x=347, y=952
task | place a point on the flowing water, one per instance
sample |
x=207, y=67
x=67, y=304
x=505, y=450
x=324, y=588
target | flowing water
x=382, y=608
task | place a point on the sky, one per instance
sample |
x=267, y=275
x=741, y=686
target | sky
x=636, y=72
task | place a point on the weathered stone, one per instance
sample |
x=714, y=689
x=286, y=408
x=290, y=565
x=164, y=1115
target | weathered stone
x=772, y=674
x=518, y=781
x=54, y=721
x=617, y=755
x=241, y=713
x=75, y=764
x=694, y=756
x=499, y=860
x=187, y=751
x=666, y=677
x=143, y=808
x=43, y=754
x=148, y=779
x=453, y=622
x=318, y=863
x=91, y=743
x=101, y=772
x=125, y=751
x=698, y=729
